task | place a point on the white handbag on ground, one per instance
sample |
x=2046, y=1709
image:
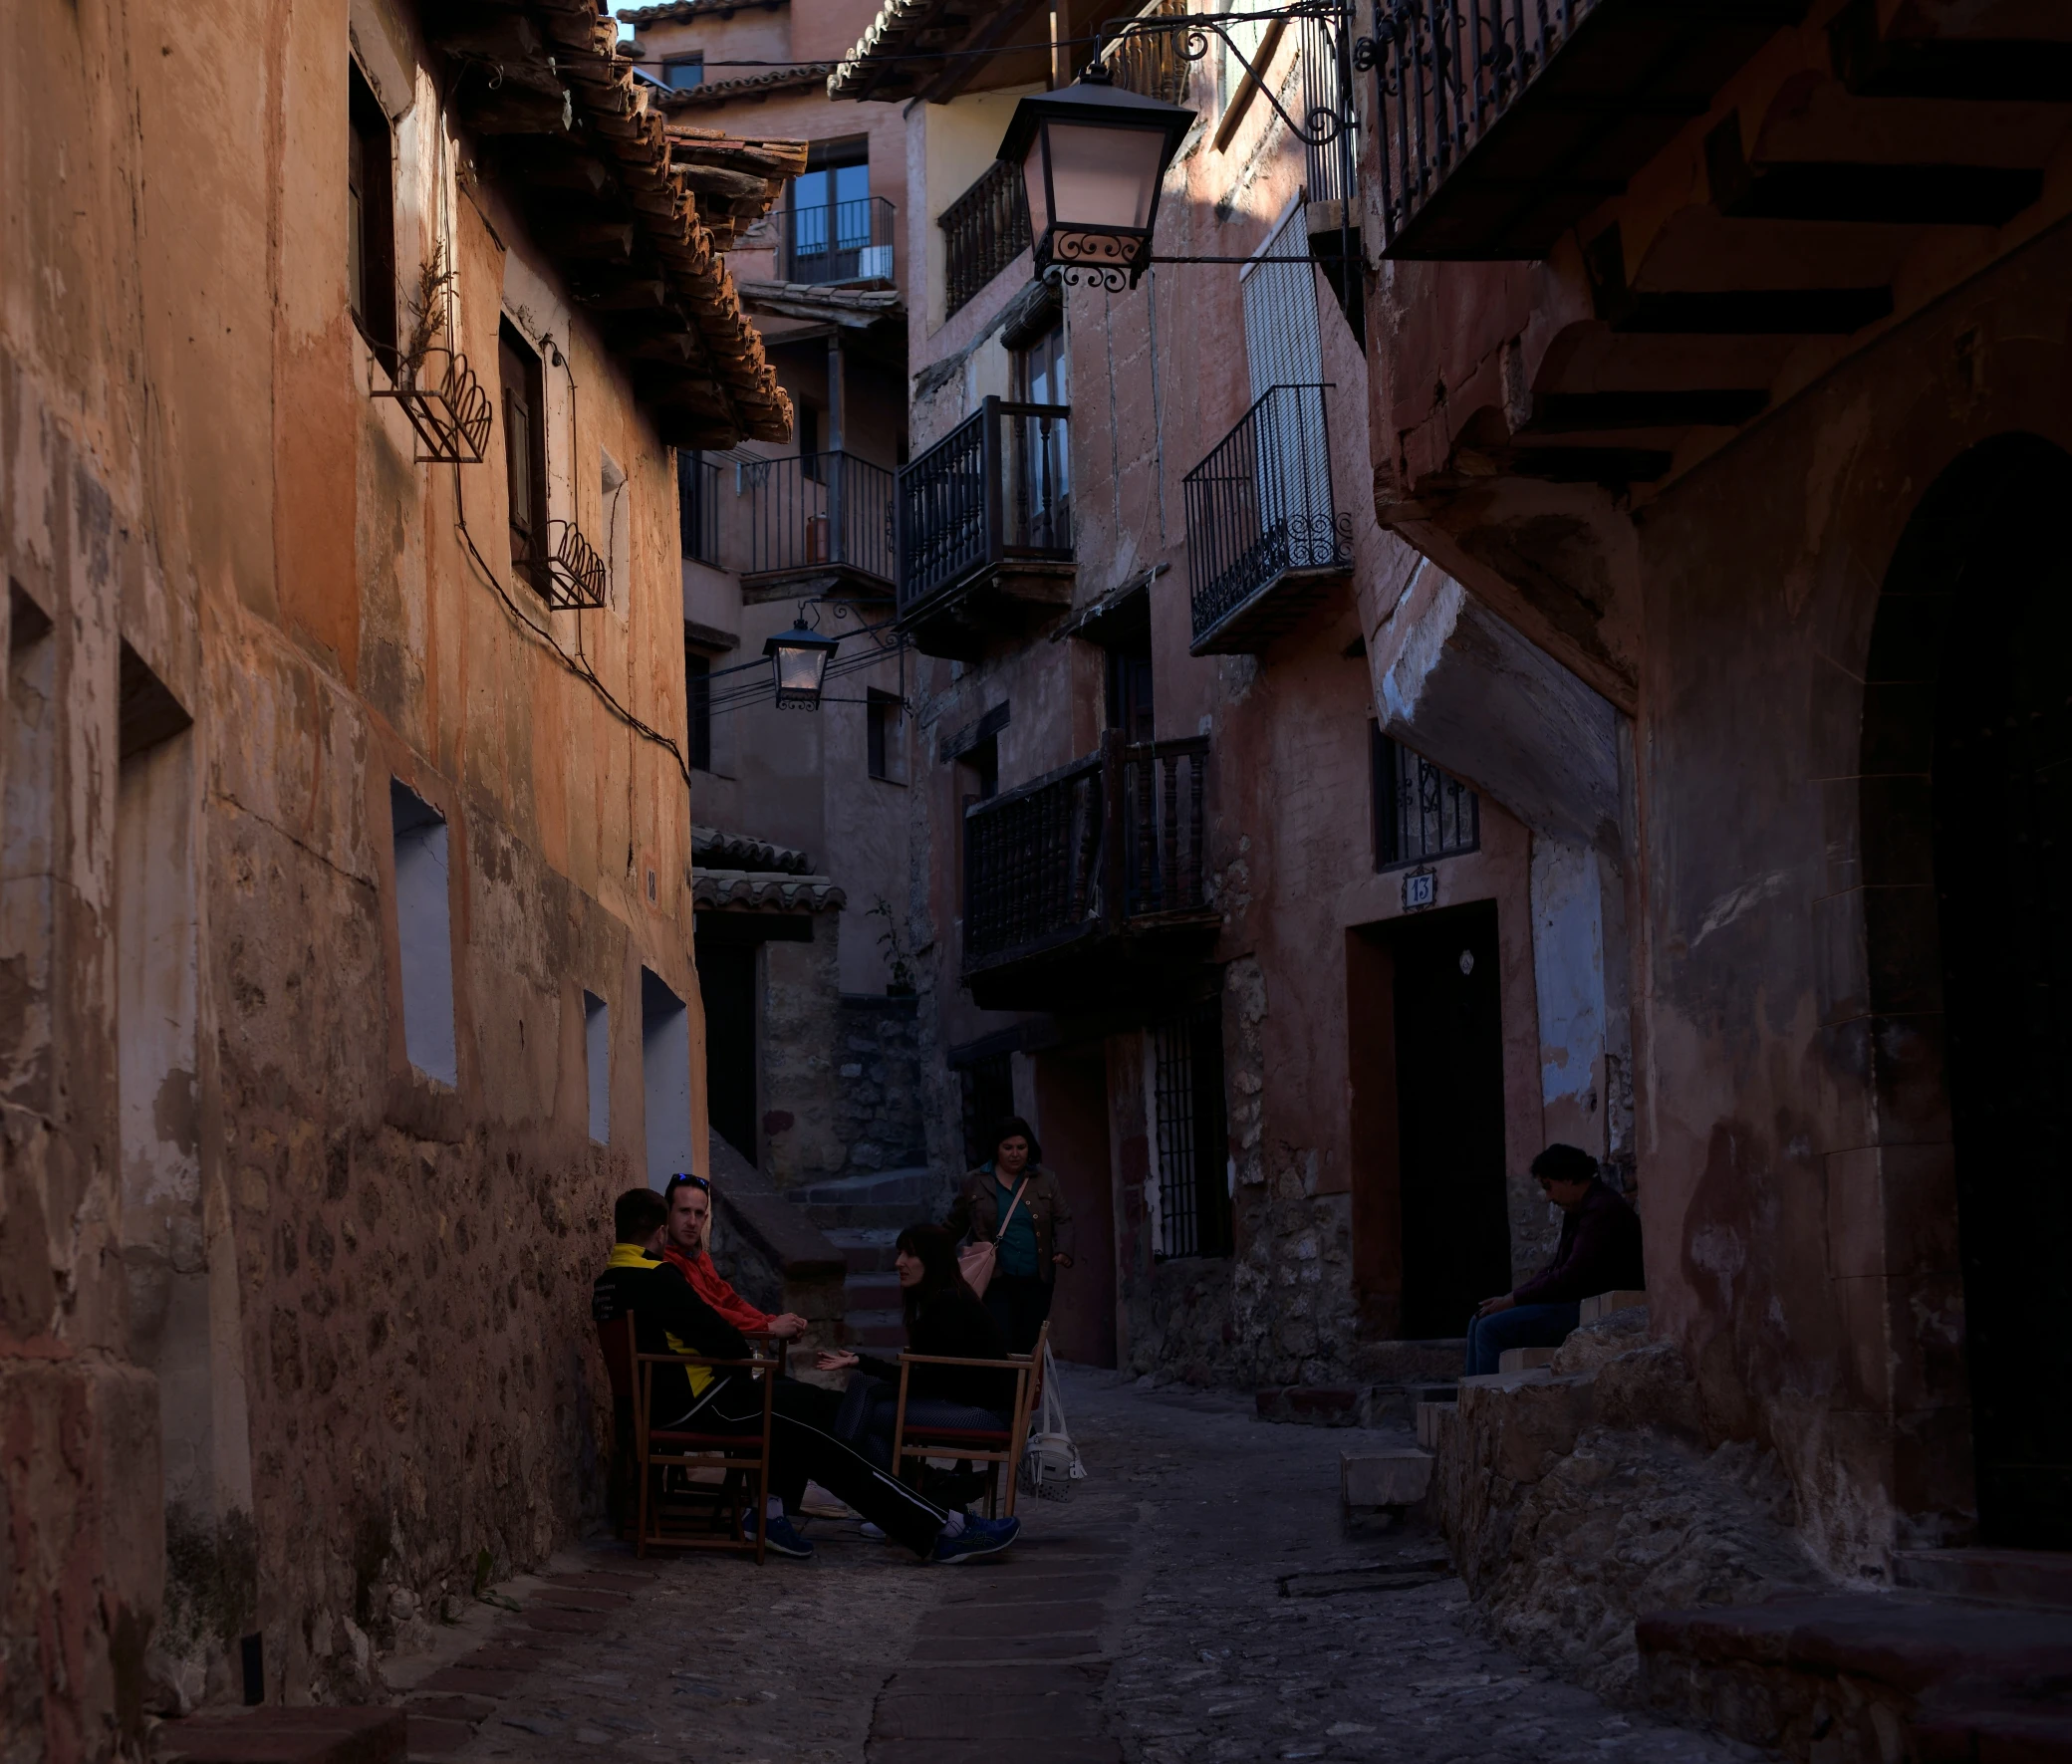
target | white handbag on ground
x=1051, y=1461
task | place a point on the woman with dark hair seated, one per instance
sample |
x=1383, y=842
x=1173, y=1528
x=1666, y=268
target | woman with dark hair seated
x=945, y=1318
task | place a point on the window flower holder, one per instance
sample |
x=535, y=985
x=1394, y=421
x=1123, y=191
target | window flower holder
x=446, y=406
x=571, y=577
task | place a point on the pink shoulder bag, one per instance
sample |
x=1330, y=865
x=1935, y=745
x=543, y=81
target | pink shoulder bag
x=975, y=1260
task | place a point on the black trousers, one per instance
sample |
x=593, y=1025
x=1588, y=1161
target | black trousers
x=1019, y=1303
x=803, y=1446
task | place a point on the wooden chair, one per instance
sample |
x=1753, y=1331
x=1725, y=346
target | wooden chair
x=744, y=1457
x=1000, y=1447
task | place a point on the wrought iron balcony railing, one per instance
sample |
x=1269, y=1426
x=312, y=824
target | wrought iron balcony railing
x=815, y=511
x=998, y=487
x=1527, y=115
x=1109, y=843
x=840, y=242
x=1261, y=511
x=983, y=231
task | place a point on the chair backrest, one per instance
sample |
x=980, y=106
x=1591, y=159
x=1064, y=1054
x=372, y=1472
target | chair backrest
x=616, y=1340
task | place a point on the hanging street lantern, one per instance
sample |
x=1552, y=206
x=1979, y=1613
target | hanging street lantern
x=799, y=662
x=1093, y=157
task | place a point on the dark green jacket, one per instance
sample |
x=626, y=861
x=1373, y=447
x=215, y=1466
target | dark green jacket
x=977, y=1212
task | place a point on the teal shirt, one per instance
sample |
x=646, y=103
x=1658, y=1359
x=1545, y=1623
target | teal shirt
x=1018, y=1246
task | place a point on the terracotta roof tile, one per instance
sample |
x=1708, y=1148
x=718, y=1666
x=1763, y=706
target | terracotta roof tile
x=560, y=117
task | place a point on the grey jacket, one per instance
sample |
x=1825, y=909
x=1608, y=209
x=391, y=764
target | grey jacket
x=977, y=1210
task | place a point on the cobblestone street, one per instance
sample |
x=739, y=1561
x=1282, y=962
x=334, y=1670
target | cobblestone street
x=1195, y=1598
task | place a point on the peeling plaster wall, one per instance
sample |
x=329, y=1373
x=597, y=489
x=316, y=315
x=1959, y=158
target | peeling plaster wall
x=294, y=1340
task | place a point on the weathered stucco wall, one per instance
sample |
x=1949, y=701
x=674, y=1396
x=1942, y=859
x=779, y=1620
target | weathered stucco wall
x=348, y=1298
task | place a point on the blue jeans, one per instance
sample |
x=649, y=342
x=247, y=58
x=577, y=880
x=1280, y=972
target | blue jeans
x=1522, y=1326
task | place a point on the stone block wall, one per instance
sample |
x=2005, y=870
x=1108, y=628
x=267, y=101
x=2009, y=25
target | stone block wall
x=877, y=1087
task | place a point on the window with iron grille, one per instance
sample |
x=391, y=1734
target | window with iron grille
x=1419, y=811
x=1192, y=1133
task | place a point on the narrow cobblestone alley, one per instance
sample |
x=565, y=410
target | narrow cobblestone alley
x=1196, y=1599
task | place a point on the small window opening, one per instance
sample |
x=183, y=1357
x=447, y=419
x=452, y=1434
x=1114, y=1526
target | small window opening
x=371, y=225
x=886, y=735
x=697, y=682
x=525, y=454
x=597, y=1058
x=684, y=73
x=665, y=1078
x=1193, y=1135
x=424, y=933
x=1420, y=812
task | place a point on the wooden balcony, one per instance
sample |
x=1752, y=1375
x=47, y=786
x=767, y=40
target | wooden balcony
x=984, y=521
x=983, y=231
x=1088, y=888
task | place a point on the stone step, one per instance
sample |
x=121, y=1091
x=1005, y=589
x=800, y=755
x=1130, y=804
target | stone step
x=1383, y=1478
x=915, y=1188
x=871, y=1292
x=1346, y=1405
x=1848, y=1674
x=275, y=1735
x=1524, y=1358
x=864, y=1250
x=833, y=1216
x=1595, y=1308
x=1432, y=1419
x=2040, y=1578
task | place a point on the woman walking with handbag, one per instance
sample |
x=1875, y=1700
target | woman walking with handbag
x=1021, y=1233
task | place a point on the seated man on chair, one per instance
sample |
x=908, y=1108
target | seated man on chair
x=689, y=1247
x=1600, y=1252
x=670, y=1318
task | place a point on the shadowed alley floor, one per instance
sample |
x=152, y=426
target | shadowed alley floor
x=1194, y=1600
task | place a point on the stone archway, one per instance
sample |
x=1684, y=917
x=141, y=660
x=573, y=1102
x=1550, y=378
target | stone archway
x=1967, y=846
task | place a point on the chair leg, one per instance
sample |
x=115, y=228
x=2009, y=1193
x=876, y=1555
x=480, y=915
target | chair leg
x=640, y=1512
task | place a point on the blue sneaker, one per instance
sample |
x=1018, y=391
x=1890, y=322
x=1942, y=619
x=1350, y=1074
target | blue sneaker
x=979, y=1537
x=782, y=1539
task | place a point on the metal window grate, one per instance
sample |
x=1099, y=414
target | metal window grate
x=1187, y=1099
x=1419, y=811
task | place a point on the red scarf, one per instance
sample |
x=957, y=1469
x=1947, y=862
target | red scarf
x=706, y=1281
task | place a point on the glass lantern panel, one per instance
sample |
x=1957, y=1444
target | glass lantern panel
x=1103, y=176
x=799, y=670
x=1032, y=178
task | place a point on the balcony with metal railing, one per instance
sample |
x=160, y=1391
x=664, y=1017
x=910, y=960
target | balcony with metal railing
x=819, y=520
x=983, y=231
x=984, y=524
x=1090, y=884
x=1265, y=542
x=1503, y=123
x=839, y=242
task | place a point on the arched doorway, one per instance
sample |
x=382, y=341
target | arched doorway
x=1970, y=679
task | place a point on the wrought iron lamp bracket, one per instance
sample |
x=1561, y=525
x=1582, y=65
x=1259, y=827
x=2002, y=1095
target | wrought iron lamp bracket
x=1194, y=30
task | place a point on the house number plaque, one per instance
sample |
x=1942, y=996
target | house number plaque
x=1419, y=889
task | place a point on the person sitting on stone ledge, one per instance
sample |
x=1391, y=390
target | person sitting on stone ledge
x=689, y=1247
x=671, y=1318
x=1600, y=1251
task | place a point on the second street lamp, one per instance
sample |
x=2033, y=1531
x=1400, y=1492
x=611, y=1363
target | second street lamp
x=799, y=662
x=1093, y=157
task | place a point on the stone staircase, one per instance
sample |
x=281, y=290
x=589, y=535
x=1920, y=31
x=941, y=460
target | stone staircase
x=863, y=1218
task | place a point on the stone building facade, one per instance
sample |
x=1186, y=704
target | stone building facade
x=1289, y=1006
x=1745, y=441
x=348, y=899
x=775, y=533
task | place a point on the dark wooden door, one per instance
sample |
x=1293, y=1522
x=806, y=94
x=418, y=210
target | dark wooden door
x=726, y=983
x=1456, y=1246
x=2002, y=793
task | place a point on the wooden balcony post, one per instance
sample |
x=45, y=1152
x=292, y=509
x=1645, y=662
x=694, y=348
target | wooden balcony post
x=1114, y=908
x=994, y=488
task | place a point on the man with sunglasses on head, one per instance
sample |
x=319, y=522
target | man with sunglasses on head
x=671, y=1318
x=689, y=1200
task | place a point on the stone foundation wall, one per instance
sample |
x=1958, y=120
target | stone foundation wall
x=1577, y=1500
x=877, y=1085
